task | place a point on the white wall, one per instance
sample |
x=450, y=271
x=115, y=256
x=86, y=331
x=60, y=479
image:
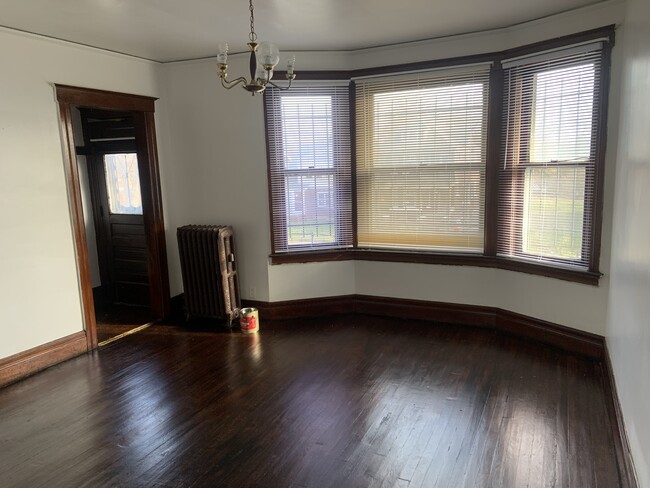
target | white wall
x=218, y=165
x=39, y=292
x=628, y=323
x=579, y=306
x=312, y=280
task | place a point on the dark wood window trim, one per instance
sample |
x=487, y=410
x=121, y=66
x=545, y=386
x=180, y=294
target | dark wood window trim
x=339, y=173
x=488, y=258
x=519, y=105
x=599, y=177
x=480, y=261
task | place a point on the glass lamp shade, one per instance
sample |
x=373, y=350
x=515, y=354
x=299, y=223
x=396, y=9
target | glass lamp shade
x=261, y=73
x=268, y=54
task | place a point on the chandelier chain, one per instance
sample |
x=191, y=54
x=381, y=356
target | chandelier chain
x=252, y=36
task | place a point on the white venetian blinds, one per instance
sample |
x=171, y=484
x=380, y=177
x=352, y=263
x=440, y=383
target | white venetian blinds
x=421, y=151
x=308, y=137
x=547, y=168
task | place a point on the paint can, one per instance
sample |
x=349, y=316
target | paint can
x=249, y=320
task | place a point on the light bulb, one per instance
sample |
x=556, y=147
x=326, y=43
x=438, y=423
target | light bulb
x=268, y=54
x=222, y=57
x=291, y=64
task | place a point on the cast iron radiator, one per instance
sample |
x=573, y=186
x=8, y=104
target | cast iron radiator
x=209, y=268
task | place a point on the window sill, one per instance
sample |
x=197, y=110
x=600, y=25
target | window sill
x=577, y=276
x=313, y=256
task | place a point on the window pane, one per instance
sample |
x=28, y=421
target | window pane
x=307, y=130
x=562, y=114
x=547, y=173
x=434, y=208
x=307, y=142
x=421, y=146
x=310, y=167
x=123, y=183
x=554, y=212
x=429, y=126
x=312, y=214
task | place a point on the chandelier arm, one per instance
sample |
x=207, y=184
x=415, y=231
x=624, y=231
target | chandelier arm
x=230, y=84
x=283, y=88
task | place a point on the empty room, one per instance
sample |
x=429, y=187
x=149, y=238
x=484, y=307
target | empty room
x=272, y=243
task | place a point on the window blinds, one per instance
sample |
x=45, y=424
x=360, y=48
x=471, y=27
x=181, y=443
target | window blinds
x=421, y=148
x=547, y=168
x=308, y=137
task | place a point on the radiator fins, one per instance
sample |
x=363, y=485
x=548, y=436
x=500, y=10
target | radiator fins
x=209, y=268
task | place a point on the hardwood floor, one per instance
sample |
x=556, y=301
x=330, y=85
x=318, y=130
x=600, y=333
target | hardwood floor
x=350, y=401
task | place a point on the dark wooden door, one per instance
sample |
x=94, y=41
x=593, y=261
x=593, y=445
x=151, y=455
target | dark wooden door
x=121, y=239
x=112, y=152
x=130, y=280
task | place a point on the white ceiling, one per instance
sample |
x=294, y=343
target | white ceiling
x=172, y=30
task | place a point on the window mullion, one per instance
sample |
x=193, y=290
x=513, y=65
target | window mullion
x=495, y=112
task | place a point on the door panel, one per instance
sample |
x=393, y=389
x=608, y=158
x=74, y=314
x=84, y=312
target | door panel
x=129, y=259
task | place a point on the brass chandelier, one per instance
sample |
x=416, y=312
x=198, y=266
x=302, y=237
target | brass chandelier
x=263, y=58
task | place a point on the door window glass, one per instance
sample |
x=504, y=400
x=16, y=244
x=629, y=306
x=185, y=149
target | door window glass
x=123, y=183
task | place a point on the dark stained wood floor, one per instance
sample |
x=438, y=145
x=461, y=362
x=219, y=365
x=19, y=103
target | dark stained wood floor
x=351, y=401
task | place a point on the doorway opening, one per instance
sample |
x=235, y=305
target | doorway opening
x=115, y=232
x=114, y=191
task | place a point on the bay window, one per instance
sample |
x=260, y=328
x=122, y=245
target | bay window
x=495, y=162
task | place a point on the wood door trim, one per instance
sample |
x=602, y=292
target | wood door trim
x=143, y=110
x=105, y=100
x=154, y=223
x=78, y=225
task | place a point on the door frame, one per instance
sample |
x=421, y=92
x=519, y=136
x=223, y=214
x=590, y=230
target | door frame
x=143, y=112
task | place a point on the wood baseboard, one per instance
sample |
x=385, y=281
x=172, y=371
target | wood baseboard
x=624, y=459
x=449, y=313
x=572, y=340
x=33, y=360
x=312, y=307
x=566, y=338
